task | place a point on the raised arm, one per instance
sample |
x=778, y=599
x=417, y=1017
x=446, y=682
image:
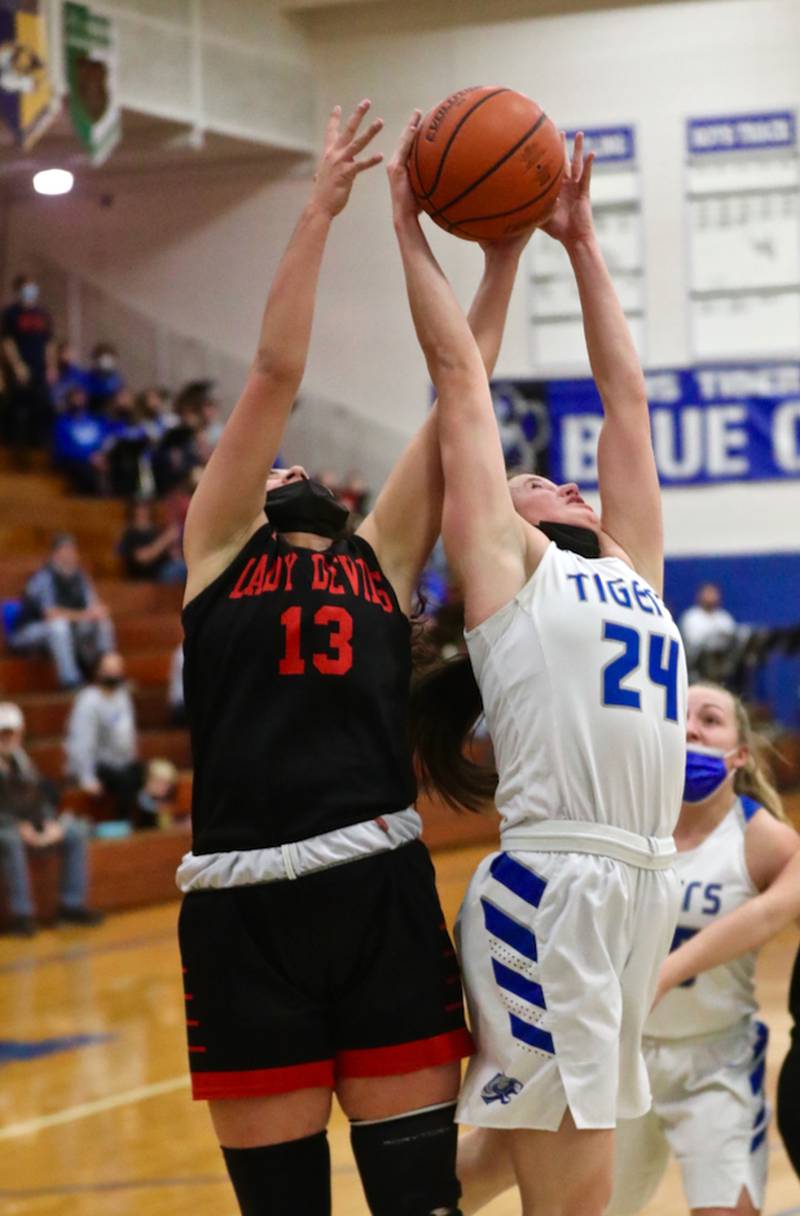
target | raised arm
x=629, y=490
x=407, y=516
x=227, y=506
x=746, y=928
x=478, y=518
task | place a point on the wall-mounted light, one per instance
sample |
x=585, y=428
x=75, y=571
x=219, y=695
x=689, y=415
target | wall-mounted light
x=53, y=181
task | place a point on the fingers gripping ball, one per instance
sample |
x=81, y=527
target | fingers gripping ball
x=486, y=163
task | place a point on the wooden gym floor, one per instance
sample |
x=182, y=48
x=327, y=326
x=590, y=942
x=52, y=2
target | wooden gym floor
x=97, y=1120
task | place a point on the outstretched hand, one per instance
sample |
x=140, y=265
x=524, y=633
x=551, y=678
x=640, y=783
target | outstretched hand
x=571, y=219
x=404, y=204
x=338, y=167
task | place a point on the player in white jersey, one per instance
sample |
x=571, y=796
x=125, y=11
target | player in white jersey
x=703, y=1044
x=582, y=675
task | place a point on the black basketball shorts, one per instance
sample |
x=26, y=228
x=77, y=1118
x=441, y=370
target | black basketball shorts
x=347, y=972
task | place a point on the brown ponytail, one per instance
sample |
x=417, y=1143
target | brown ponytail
x=445, y=705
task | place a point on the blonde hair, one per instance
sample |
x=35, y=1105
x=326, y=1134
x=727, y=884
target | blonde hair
x=754, y=778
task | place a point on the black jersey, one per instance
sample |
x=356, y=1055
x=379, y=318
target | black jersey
x=296, y=676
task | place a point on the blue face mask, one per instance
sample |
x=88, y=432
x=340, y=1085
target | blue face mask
x=705, y=772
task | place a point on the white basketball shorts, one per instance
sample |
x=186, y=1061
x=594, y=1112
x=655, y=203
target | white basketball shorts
x=710, y=1111
x=560, y=953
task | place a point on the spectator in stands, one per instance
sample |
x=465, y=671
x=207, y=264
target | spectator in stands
x=29, y=819
x=148, y=551
x=210, y=428
x=155, y=413
x=101, y=743
x=62, y=611
x=355, y=493
x=105, y=378
x=157, y=796
x=29, y=366
x=78, y=438
x=177, y=709
x=69, y=375
x=127, y=451
x=708, y=632
x=178, y=453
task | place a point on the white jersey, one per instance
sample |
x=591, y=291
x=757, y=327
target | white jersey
x=715, y=880
x=583, y=680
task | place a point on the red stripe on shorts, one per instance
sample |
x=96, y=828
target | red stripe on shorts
x=260, y=1082
x=405, y=1057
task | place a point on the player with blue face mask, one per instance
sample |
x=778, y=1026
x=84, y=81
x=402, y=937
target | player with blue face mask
x=703, y=1044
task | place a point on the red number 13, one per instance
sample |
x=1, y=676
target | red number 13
x=292, y=662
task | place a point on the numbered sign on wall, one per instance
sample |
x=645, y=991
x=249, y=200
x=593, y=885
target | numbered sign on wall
x=555, y=327
x=743, y=202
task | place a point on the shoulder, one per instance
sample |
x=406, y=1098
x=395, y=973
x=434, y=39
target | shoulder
x=769, y=843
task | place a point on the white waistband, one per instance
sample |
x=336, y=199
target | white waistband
x=569, y=836
x=211, y=871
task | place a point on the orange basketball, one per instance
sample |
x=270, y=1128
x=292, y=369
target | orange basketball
x=486, y=163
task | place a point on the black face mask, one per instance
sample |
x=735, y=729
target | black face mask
x=111, y=681
x=306, y=506
x=582, y=541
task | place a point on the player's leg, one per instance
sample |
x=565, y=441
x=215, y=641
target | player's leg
x=744, y=1207
x=404, y=1140
x=788, y=1103
x=563, y=1173
x=276, y=1151
x=484, y=1167
x=641, y=1154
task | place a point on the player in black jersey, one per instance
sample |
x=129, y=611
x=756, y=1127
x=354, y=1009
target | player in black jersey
x=315, y=954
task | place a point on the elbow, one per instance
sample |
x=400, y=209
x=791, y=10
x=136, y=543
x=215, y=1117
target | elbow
x=279, y=367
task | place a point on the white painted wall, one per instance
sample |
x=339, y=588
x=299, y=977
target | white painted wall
x=198, y=255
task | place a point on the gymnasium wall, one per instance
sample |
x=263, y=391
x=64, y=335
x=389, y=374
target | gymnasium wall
x=198, y=256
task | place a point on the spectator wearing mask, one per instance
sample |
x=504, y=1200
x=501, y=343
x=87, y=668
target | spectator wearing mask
x=155, y=413
x=708, y=632
x=179, y=451
x=126, y=451
x=149, y=552
x=78, y=438
x=29, y=366
x=69, y=375
x=29, y=820
x=62, y=611
x=101, y=744
x=105, y=378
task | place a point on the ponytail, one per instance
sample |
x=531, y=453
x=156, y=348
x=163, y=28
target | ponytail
x=754, y=778
x=445, y=705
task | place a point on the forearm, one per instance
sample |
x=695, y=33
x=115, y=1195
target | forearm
x=443, y=332
x=286, y=325
x=612, y=354
x=487, y=316
x=747, y=928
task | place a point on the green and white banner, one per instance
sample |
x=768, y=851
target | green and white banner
x=90, y=50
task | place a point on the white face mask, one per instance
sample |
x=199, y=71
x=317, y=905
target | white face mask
x=107, y=362
x=29, y=293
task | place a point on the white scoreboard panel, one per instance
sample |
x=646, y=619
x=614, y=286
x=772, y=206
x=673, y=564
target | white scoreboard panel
x=743, y=207
x=554, y=315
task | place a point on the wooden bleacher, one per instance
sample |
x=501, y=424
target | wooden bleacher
x=138, y=869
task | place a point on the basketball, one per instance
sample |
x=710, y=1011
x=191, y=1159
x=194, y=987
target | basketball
x=486, y=163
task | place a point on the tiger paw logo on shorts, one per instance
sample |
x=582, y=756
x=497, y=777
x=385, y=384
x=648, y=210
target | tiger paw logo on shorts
x=500, y=1089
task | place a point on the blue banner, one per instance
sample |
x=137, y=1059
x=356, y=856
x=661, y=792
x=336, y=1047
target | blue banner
x=710, y=424
x=609, y=144
x=741, y=132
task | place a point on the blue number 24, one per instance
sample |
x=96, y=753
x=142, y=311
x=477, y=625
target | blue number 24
x=664, y=674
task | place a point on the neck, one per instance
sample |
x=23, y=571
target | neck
x=699, y=820
x=307, y=540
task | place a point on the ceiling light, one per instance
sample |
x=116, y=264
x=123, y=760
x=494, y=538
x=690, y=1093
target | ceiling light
x=53, y=181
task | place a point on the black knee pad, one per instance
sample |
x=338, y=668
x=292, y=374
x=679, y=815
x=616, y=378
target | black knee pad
x=279, y=1179
x=408, y=1164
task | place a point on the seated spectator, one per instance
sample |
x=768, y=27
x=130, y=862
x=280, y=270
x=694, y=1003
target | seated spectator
x=29, y=819
x=101, y=743
x=126, y=451
x=69, y=375
x=61, y=610
x=78, y=438
x=177, y=708
x=211, y=428
x=149, y=552
x=28, y=367
x=179, y=452
x=708, y=632
x=157, y=795
x=105, y=378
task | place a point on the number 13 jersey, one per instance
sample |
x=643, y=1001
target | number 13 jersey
x=583, y=679
x=296, y=678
